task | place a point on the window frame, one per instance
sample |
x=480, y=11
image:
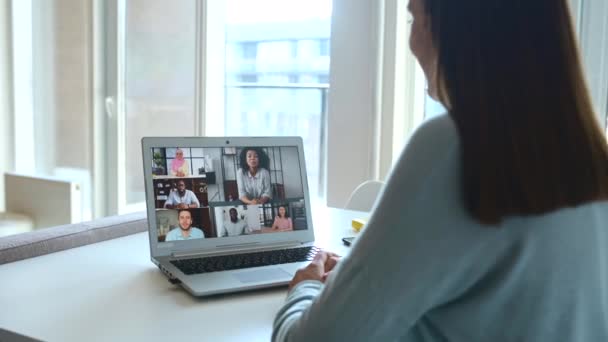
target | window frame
x=377, y=93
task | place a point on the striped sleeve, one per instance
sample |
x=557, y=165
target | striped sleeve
x=298, y=300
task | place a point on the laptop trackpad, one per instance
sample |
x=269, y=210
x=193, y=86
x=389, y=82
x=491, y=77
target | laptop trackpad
x=262, y=275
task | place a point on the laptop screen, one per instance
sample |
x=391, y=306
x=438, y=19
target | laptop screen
x=221, y=192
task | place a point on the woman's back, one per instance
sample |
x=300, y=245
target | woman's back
x=533, y=278
x=425, y=270
x=536, y=279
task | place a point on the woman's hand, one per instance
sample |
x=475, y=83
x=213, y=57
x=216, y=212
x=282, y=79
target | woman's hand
x=318, y=269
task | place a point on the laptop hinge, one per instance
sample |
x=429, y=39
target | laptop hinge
x=238, y=247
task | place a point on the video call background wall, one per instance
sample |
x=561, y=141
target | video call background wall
x=291, y=172
x=197, y=157
x=250, y=214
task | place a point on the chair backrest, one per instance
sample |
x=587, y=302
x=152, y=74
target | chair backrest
x=364, y=196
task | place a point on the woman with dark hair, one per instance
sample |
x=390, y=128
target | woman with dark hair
x=282, y=221
x=253, y=178
x=493, y=225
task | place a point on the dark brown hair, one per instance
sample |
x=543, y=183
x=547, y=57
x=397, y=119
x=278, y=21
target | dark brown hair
x=510, y=74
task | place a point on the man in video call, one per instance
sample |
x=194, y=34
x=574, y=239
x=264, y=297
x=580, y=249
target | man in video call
x=182, y=198
x=185, y=230
x=236, y=225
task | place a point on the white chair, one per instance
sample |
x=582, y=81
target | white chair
x=364, y=196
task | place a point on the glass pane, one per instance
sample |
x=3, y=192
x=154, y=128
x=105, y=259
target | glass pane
x=277, y=72
x=432, y=108
x=160, y=78
x=53, y=120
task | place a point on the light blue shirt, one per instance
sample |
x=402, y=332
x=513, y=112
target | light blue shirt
x=424, y=270
x=176, y=234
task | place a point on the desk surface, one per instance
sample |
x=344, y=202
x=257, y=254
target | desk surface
x=111, y=291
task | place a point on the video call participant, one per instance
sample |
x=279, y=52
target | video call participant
x=179, y=165
x=182, y=198
x=185, y=230
x=236, y=225
x=253, y=178
x=282, y=220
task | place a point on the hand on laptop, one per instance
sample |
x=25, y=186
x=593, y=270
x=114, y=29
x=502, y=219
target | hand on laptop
x=318, y=269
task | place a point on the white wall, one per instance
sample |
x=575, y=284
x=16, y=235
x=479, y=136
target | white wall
x=212, y=163
x=291, y=172
x=352, y=106
x=231, y=167
x=220, y=215
x=252, y=216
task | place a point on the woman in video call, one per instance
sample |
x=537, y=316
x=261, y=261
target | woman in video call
x=179, y=165
x=282, y=221
x=493, y=224
x=253, y=178
x=185, y=230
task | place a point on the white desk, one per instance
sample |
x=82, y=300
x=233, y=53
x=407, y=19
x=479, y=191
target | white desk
x=110, y=291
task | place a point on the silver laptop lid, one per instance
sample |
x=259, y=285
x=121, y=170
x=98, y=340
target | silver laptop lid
x=196, y=189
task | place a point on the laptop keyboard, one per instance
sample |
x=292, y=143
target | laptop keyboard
x=246, y=260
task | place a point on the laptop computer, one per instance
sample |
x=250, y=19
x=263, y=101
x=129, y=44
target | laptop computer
x=227, y=214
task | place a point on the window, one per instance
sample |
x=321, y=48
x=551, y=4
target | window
x=53, y=96
x=432, y=107
x=248, y=78
x=249, y=50
x=255, y=50
x=293, y=78
x=159, y=93
x=323, y=79
x=294, y=48
x=281, y=100
x=324, y=47
x=164, y=74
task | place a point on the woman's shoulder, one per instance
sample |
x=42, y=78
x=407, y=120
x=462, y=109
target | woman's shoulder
x=429, y=147
x=433, y=136
x=437, y=127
